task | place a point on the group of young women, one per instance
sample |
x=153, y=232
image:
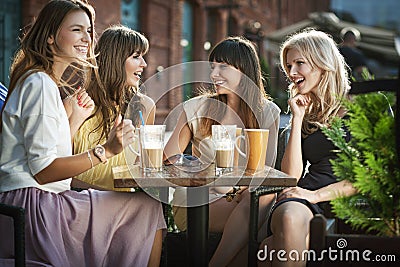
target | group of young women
x=48, y=136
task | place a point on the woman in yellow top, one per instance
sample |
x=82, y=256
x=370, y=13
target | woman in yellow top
x=114, y=91
x=120, y=62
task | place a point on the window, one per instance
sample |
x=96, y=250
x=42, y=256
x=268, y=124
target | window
x=211, y=26
x=187, y=46
x=10, y=20
x=130, y=13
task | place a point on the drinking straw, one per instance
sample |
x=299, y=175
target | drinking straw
x=141, y=117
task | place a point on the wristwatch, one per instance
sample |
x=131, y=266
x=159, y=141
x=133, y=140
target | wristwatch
x=100, y=152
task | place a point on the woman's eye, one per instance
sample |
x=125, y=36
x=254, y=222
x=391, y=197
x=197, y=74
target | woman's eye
x=136, y=55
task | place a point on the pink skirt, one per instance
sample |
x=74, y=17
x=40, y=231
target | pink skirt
x=88, y=228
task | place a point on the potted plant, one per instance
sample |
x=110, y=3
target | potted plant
x=370, y=162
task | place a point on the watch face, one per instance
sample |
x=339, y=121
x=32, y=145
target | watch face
x=100, y=150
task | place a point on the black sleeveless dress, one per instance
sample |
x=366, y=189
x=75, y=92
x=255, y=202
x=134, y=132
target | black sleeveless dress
x=317, y=151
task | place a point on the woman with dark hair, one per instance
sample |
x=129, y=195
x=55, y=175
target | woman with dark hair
x=237, y=97
x=64, y=227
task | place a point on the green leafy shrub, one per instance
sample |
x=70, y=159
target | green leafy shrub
x=370, y=162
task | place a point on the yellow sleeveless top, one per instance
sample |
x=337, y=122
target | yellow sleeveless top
x=101, y=175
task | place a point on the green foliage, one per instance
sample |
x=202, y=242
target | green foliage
x=365, y=75
x=370, y=162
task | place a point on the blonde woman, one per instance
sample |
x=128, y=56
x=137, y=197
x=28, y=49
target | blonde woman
x=318, y=83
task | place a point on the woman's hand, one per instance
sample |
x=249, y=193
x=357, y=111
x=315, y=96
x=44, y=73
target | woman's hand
x=298, y=192
x=298, y=105
x=79, y=105
x=121, y=135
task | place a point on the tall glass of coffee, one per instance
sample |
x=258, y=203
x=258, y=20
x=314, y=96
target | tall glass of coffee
x=151, y=147
x=223, y=137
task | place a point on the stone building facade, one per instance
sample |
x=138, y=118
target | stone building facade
x=184, y=30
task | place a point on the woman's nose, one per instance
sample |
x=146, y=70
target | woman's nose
x=86, y=37
x=293, y=70
x=214, y=72
x=143, y=63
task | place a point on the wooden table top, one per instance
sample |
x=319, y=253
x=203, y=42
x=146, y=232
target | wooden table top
x=129, y=176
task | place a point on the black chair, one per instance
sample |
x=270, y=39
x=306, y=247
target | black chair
x=18, y=215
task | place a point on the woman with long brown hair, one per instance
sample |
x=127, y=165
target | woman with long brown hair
x=64, y=227
x=236, y=97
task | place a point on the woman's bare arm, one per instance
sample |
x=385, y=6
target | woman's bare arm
x=179, y=139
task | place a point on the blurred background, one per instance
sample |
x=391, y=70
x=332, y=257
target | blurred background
x=185, y=30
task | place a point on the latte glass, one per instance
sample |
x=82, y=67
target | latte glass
x=224, y=137
x=151, y=143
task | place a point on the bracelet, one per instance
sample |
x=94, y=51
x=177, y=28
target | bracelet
x=90, y=158
x=231, y=195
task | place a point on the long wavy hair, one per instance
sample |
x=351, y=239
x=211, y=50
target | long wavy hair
x=35, y=54
x=242, y=54
x=320, y=50
x=109, y=90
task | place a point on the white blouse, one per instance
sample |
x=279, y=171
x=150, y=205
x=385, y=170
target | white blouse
x=35, y=132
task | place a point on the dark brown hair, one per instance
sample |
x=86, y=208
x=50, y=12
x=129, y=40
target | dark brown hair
x=109, y=90
x=241, y=54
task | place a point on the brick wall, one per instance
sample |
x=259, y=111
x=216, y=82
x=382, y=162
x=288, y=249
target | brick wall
x=161, y=22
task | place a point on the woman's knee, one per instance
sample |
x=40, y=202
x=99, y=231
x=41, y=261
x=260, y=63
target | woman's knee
x=291, y=216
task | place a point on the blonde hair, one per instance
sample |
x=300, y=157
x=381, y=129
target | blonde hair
x=320, y=50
